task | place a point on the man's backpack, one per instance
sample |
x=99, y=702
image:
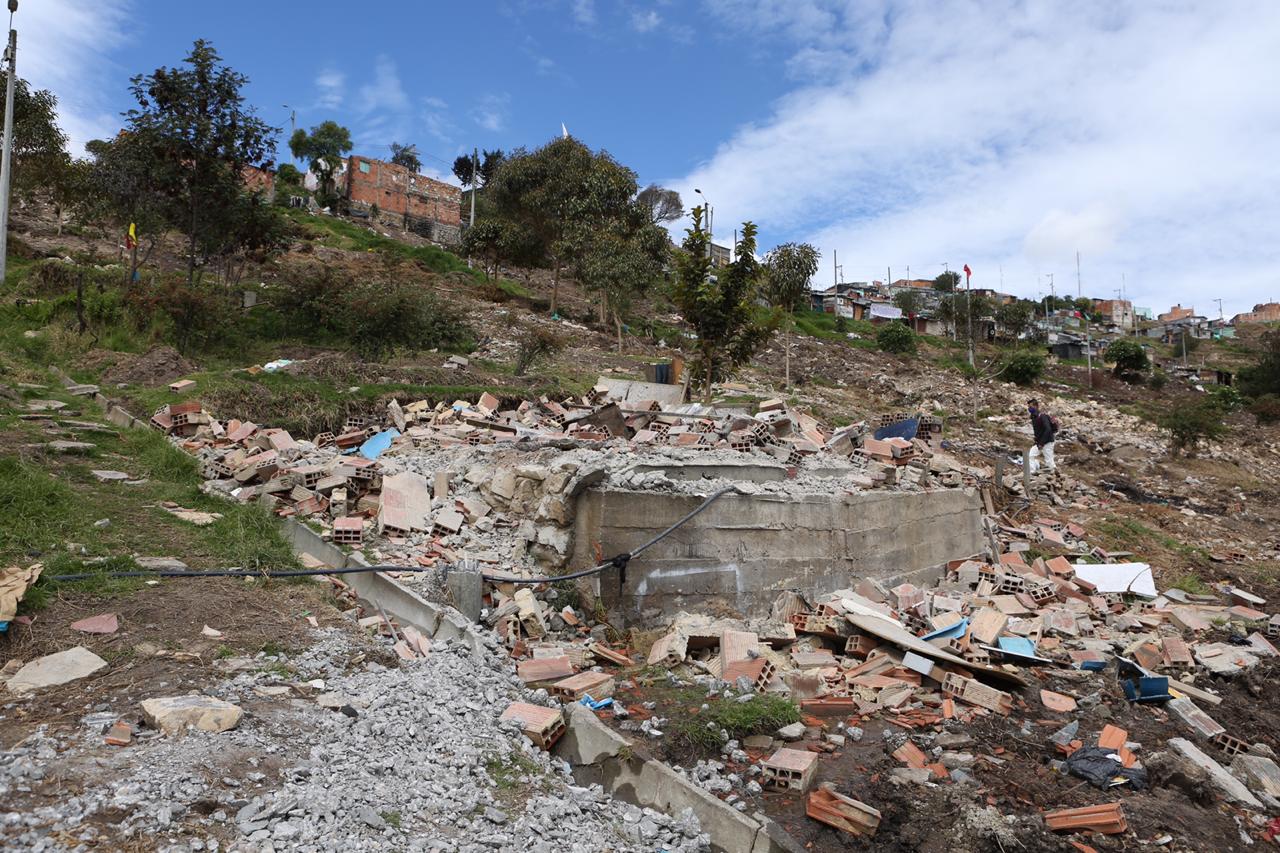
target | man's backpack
x=1053, y=422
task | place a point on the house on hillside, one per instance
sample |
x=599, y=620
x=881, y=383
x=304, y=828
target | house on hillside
x=1177, y=312
x=402, y=198
x=259, y=180
x=1116, y=312
x=1266, y=312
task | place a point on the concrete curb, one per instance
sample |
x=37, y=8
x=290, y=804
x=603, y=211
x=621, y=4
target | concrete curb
x=599, y=755
x=438, y=621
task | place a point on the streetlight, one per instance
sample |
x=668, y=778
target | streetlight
x=710, y=219
x=293, y=128
x=6, y=159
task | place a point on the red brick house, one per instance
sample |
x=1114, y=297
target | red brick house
x=403, y=198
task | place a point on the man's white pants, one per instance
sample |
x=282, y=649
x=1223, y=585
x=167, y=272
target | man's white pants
x=1047, y=453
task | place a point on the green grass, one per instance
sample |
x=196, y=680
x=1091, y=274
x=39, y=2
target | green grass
x=100, y=583
x=339, y=233
x=506, y=772
x=392, y=818
x=48, y=501
x=763, y=714
x=820, y=325
x=1192, y=584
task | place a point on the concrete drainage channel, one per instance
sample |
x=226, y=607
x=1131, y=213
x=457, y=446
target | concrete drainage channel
x=596, y=753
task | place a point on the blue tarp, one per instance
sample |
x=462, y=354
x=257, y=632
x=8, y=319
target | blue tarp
x=376, y=446
x=956, y=630
x=1017, y=646
x=902, y=429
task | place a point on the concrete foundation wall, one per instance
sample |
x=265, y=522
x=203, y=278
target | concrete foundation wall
x=739, y=553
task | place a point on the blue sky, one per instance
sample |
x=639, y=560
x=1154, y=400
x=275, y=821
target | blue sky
x=1007, y=134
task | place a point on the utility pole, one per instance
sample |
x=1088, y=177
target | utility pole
x=1088, y=350
x=1079, y=293
x=968, y=310
x=1219, y=301
x=475, y=179
x=293, y=128
x=835, y=267
x=6, y=160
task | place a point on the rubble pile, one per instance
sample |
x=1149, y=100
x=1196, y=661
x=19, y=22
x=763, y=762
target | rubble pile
x=1034, y=639
x=444, y=786
x=474, y=481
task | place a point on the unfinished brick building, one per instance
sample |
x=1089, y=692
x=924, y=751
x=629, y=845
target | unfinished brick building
x=403, y=198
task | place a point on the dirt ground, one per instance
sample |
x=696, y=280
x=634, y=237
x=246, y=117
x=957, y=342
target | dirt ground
x=1013, y=771
x=159, y=648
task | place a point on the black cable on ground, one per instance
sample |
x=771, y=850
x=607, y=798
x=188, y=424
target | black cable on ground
x=618, y=561
x=240, y=573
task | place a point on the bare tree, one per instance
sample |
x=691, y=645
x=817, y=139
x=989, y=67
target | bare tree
x=663, y=205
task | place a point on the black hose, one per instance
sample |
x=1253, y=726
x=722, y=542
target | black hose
x=241, y=573
x=619, y=561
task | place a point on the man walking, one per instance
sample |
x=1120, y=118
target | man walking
x=1045, y=428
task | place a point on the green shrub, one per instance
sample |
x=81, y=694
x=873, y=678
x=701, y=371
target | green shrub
x=896, y=337
x=1226, y=398
x=1188, y=425
x=1129, y=357
x=1024, y=368
x=535, y=343
x=1159, y=379
x=381, y=318
x=842, y=325
x=1266, y=409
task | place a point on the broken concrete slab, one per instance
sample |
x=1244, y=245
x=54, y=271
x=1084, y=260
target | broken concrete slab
x=173, y=714
x=57, y=668
x=61, y=446
x=1230, y=787
x=110, y=476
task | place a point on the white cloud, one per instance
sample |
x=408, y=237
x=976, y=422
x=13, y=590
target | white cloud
x=584, y=11
x=384, y=92
x=1010, y=135
x=490, y=112
x=63, y=46
x=644, y=22
x=329, y=88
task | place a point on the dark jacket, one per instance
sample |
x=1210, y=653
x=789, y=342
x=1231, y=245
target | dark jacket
x=1043, y=427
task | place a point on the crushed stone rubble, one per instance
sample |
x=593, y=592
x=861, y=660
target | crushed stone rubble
x=413, y=757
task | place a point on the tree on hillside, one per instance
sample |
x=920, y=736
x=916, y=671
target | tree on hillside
x=788, y=269
x=947, y=281
x=620, y=259
x=127, y=185
x=39, y=145
x=909, y=302
x=662, y=205
x=1129, y=356
x=955, y=310
x=1014, y=318
x=556, y=194
x=407, y=156
x=465, y=167
x=490, y=162
x=204, y=136
x=1263, y=377
x=720, y=308
x=322, y=148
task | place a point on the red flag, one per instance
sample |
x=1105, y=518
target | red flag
x=967, y=272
